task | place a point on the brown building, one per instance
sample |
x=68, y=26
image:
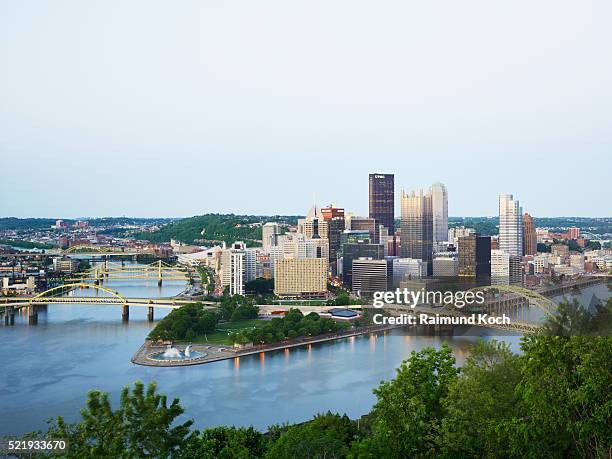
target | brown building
x=573, y=232
x=475, y=256
x=382, y=200
x=530, y=239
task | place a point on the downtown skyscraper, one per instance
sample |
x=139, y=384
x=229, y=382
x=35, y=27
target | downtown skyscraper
x=417, y=227
x=530, y=239
x=382, y=200
x=439, y=199
x=510, y=225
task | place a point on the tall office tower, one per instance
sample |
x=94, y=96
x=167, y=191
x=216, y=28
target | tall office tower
x=475, y=257
x=300, y=277
x=355, y=250
x=530, y=238
x=573, y=232
x=269, y=235
x=314, y=225
x=233, y=270
x=439, y=200
x=334, y=217
x=505, y=268
x=369, y=276
x=364, y=223
x=331, y=212
x=382, y=200
x=417, y=227
x=510, y=225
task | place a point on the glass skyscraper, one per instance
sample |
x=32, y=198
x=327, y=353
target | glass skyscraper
x=382, y=200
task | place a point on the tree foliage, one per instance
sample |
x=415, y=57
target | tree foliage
x=185, y=322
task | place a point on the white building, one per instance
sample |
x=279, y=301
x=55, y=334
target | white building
x=439, y=199
x=540, y=263
x=298, y=246
x=232, y=270
x=269, y=232
x=510, y=225
x=505, y=268
x=458, y=232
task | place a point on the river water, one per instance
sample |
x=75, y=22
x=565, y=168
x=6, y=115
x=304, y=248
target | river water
x=47, y=369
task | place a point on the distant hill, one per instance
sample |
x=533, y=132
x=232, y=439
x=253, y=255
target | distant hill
x=489, y=226
x=13, y=223
x=215, y=228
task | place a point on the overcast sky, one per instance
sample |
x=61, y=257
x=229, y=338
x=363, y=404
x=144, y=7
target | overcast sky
x=159, y=108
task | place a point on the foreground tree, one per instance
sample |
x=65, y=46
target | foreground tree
x=565, y=399
x=327, y=436
x=143, y=426
x=409, y=410
x=482, y=397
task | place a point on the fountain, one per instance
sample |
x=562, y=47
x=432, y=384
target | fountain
x=173, y=354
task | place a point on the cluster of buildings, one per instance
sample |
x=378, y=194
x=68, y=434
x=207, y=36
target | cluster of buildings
x=369, y=254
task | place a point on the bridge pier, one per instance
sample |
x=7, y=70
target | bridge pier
x=32, y=315
x=125, y=313
x=9, y=316
x=159, y=282
x=150, y=314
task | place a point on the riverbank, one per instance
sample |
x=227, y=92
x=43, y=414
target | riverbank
x=212, y=353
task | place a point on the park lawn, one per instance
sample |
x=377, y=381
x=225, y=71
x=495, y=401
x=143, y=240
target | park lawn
x=221, y=335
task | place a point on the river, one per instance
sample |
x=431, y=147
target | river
x=47, y=369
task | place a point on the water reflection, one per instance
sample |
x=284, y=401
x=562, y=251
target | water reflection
x=77, y=348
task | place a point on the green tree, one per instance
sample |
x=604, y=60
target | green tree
x=326, y=436
x=566, y=403
x=482, y=397
x=409, y=409
x=143, y=426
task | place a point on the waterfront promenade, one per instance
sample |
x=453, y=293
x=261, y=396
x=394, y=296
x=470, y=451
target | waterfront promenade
x=214, y=353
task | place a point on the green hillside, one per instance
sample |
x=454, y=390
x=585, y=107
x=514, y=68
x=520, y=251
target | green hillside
x=215, y=228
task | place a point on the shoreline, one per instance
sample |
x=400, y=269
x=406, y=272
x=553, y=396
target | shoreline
x=215, y=353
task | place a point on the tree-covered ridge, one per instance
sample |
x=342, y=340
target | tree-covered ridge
x=489, y=226
x=216, y=228
x=551, y=401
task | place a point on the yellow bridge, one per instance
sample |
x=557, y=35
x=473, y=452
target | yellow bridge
x=158, y=270
x=109, y=298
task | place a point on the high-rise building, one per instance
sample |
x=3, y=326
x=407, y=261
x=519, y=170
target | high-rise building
x=439, y=200
x=505, y=268
x=530, y=238
x=364, y=223
x=300, y=277
x=269, y=232
x=369, y=276
x=355, y=250
x=573, y=232
x=331, y=212
x=417, y=227
x=510, y=225
x=233, y=270
x=382, y=200
x=457, y=232
x=475, y=256
x=314, y=225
